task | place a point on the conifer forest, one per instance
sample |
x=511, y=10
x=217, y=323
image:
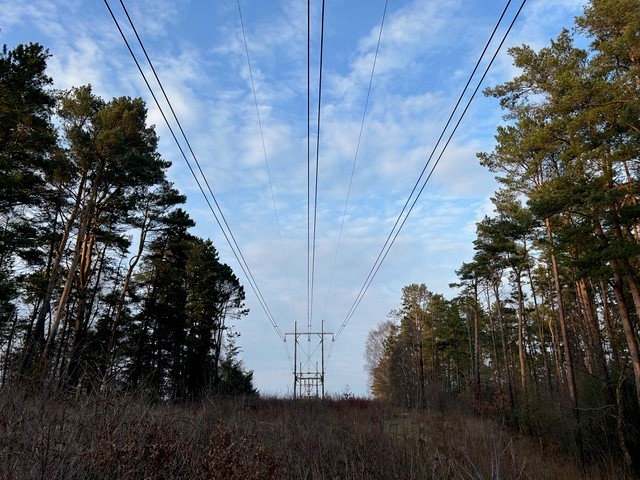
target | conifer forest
x=101, y=281
x=545, y=326
x=118, y=326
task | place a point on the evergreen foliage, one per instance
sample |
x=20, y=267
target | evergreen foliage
x=544, y=329
x=101, y=284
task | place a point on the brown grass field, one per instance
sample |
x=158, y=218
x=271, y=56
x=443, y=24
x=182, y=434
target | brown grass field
x=127, y=437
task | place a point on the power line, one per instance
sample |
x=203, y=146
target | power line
x=309, y=164
x=355, y=157
x=315, y=201
x=400, y=221
x=266, y=158
x=228, y=234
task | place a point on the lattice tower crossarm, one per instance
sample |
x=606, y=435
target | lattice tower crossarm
x=308, y=382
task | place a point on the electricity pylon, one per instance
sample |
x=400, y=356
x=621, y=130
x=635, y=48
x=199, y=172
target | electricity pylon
x=308, y=380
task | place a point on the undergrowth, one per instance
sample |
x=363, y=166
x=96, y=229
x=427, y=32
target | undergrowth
x=129, y=437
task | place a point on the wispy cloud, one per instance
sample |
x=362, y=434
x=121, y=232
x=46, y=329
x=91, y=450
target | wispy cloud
x=428, y=48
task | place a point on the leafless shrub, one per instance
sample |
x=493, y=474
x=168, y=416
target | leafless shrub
x=129, y=437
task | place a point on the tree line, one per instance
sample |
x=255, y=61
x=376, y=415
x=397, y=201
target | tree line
x=101, y=283
x=544, y=323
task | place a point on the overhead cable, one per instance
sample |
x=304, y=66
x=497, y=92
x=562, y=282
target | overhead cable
x=309, y=164
x=266, y=158
x=315, y=200
x=228, y=234
x=355, y=157
x=400, y=221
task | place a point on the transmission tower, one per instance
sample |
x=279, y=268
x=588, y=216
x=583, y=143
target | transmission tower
x=308, y=375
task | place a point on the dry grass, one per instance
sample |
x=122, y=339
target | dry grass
x=56, y=437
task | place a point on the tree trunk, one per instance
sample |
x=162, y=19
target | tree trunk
x=125, y=286
x=7, y=353
x=595, y=339
x=476, y=344
x=64, y=298
x=83, y=313
x=553, y=331
x=568, y=356
x=37, y=334
x=611, y=333
x=503, y=340
x=541, y=333
x=521, y=353
x=494, y=344
x=629, y=331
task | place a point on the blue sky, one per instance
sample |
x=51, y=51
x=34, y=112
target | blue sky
x=427, y=50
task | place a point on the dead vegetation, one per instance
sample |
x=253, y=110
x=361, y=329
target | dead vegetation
x=128, y=437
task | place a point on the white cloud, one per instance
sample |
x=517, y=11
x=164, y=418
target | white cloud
x=428, y=48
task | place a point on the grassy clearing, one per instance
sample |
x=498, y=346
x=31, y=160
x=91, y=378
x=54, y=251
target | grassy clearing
x=121, y=437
